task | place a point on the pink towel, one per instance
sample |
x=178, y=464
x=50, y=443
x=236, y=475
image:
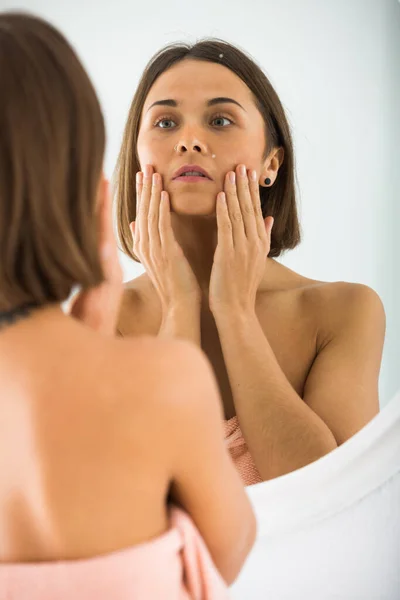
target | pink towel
x=174, y=566
x=240, y=453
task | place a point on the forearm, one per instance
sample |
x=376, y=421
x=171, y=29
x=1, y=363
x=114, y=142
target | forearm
x=182, y=322
x=281, y=431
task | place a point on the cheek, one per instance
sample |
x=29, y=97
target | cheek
x=244, y=149
x=151, y=151
x=143, y=151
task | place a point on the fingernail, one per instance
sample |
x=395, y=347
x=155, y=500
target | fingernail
x=147, y=171
x=253, y=175
x=155, y=178
x=242, y=170
x=139, y=177
x=232, y=177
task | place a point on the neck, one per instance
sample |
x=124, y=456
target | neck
x=26, y=311
x=198, y=237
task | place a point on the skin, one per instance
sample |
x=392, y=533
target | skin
x=194, y=206
x=78, y=452
x=297, y=360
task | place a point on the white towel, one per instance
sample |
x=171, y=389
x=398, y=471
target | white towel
x=331, y=530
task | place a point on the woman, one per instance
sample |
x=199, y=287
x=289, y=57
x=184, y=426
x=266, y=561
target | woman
x=297, y=360
x=96, y=432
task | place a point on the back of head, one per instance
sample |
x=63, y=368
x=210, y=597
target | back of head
x=51, y=154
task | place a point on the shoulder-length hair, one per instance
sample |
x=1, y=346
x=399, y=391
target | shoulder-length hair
x=278, y=200
x=51, y=155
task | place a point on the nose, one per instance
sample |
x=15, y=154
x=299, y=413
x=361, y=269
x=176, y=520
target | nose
x=190, y=144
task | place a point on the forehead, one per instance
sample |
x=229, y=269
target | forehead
x=198, y=81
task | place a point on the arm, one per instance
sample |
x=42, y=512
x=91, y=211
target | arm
x=182, y=322
x=205, y=481
x=342, y=387
x=284, y=432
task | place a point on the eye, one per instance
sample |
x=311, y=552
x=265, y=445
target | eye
x=164, y=123
x=219, y=121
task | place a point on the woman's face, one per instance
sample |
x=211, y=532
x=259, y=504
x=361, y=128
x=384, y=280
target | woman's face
x=200, y=114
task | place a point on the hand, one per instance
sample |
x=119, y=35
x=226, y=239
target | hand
x=156, y=247
x=244, y=241
x=98, y=307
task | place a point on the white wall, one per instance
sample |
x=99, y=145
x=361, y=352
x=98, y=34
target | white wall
x=336, y=68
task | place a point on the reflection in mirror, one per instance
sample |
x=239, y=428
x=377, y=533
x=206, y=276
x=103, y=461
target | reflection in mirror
x=296, y=359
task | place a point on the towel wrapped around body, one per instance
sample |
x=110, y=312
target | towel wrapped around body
x=175, y=565
x=239, y=452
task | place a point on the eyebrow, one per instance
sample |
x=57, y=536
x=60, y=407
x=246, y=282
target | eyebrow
x=212, y=102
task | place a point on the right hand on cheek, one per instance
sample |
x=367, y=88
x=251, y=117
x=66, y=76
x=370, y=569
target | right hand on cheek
x=156, y=247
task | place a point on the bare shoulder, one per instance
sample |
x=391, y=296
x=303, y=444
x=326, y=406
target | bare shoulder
x=328, y=304
x=322, y=311
x=169, y=373
x=341, y=301
x=344, y=315
x=140, y=310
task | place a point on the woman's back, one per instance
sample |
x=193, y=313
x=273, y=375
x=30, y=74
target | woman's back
x=86, y=467
x=97, y=434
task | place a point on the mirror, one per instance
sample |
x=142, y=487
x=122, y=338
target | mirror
x=335, y=70
x=340, y=92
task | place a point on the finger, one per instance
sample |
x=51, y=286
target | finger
x=269, y=223
x=256, y=202
x=144, y=204
x=225, y=230
x=246, y=204
x=234, y=211
x=255, y=192
x=167, y=237
x=153, y=217
x=135, y=231
x=139, y=189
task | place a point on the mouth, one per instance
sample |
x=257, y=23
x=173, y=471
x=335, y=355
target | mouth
x=191, y=173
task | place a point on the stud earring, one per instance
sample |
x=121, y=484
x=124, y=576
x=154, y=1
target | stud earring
x=267, y=181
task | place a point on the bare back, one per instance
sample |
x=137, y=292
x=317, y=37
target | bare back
x=98, y=434
x=78, y=442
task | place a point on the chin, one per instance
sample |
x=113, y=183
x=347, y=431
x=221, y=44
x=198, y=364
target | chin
x=190, y=206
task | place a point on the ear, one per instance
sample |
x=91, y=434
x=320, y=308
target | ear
x=271, y=166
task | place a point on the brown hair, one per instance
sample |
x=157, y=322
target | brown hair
x=51, y=156
x=278, y=200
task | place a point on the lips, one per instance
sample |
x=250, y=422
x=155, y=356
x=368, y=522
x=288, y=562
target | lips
x=191, y=171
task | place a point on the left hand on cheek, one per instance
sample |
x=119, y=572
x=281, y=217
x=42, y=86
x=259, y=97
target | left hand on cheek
x=244, y=241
